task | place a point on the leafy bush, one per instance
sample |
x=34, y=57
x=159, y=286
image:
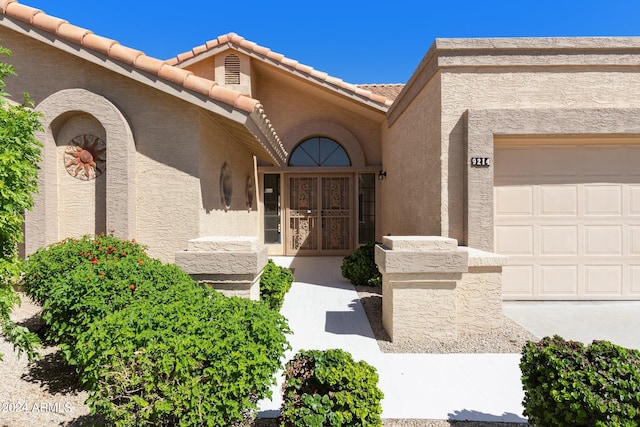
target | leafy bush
x=328, y=388
x=275, y=282
x=20, y=153
x=360, y=267
x=185, y=357
x=569, y=384
x=44, y=267
x=152, y=346
x=79, y=281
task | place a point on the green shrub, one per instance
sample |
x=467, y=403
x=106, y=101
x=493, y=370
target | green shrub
x=328, y=388
x=185, y=357
x=79, y=281
x=275, y=282
x=569, y=384
x=360, y=267
x=44, y=267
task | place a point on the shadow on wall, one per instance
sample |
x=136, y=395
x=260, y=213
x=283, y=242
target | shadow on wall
x=508, y=419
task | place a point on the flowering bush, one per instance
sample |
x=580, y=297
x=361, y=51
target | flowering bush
x=152, y=346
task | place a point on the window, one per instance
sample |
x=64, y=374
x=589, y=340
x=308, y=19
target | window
x=232, y=70
x=271, y=199
x=366, y=207
x=319, y=151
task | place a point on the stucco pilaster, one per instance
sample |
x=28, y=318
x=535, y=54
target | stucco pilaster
x=231, y=265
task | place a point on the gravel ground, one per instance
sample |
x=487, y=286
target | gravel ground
x=46, y=392
x=42, y=393
x=509, y=339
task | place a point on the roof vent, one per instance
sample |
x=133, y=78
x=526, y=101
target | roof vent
x=232, y=70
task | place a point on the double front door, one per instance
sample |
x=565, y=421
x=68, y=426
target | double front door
x=319, y=215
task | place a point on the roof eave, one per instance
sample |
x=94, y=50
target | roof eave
x=306, y=73
x=250, y=120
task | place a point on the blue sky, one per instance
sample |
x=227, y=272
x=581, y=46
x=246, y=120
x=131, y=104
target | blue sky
x=357, y=41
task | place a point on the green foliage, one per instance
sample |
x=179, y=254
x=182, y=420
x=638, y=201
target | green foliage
x=47, y=266
x=360, y=267
x=184, y=357
x=79, y=281
x=19, y=158
x=569, y=384
x=152, y=346
x=275, y=282
x=328, y=388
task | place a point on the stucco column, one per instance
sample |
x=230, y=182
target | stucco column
x=232, y=265
x=419, y=280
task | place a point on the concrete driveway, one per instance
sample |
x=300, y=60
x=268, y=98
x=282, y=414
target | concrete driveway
x=585, y=321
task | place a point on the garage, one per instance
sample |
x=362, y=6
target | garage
x=567, y=213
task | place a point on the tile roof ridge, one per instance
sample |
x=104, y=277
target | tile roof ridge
x=252, y=47
x=135, y=58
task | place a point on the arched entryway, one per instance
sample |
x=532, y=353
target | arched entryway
x=319, y=206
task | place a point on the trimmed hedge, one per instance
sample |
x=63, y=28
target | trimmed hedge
x=360, y=267
x=275, y=282
x=569, y=384
x=328, y=388
x=152, y=346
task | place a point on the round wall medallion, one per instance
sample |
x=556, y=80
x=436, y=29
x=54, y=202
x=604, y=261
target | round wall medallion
x=226, y=189
x=86, y=157
x=249, y=193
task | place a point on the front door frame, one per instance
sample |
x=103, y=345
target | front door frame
x=287, y=230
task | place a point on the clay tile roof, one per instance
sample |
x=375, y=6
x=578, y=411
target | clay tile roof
x=165, y=70
x=111, y=48
x=261, y=52
x=389, y=91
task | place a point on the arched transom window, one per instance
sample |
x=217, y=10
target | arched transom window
x=319, y=151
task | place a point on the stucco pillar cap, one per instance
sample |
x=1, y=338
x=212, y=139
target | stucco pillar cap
x=223, y=244
x=420, y=243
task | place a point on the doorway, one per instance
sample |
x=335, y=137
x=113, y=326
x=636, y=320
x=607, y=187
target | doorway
x=319, y=215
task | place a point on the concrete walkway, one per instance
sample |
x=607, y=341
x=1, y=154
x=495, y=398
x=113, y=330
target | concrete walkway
x=324, y=312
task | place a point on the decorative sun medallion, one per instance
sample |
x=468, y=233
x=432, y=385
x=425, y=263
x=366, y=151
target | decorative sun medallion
x=85, y=157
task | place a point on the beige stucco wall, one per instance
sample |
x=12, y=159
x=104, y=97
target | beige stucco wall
x=459, y=75
x=216, y=148
x=410, y=194
x=168, y=204
x=82, y=204
x=291, y=108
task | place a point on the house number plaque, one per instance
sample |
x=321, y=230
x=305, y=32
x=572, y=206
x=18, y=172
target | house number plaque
x=480, y=161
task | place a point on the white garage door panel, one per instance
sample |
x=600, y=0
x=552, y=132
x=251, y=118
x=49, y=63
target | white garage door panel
x=568, y=217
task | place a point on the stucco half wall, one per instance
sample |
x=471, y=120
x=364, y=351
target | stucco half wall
x=484, y=125
x=41, y=224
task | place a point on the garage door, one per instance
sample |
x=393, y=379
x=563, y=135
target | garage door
x=567, y=213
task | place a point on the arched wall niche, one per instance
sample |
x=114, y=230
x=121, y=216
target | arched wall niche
x=67, y=114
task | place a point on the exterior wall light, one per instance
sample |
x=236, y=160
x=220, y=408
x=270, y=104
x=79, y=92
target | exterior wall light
x=382, y=175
